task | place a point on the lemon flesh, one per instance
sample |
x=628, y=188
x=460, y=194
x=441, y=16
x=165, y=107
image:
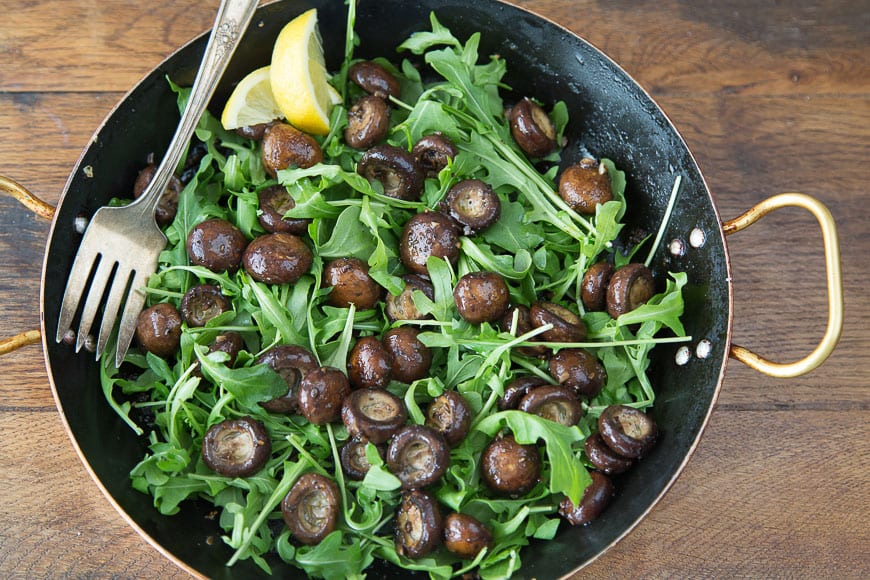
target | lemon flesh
x=251, y=102
x=298, y=76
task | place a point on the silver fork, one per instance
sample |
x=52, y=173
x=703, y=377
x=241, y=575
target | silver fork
x=122, y=244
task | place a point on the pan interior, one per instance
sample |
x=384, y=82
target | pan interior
x=610, y=117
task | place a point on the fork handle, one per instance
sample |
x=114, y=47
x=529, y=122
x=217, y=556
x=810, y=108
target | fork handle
x=230, y=24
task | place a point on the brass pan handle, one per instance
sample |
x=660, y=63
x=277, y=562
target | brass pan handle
x=43, y=210
x=834, y=278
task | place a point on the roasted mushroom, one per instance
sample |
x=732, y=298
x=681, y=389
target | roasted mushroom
x=321, y=395
x=351, y=284
x=473, y=204
x=516, y=389
x=275, y=201
x=509, y=468
x=428, y=234
x=578, y=370
x=368, y=122
x=402, y=306
x=411, y=358
x=293, y=363
x=567, y=326
x=605, y=459
x=375, y=414
x=353, y=458
x=202, y=303
x=481, y=297
x=450, y=415
x=433, y=152
x=230, y=343
x=254, y=132
x=374, y=79
x=419, y=525
x=593, y=286
x=520, y=317
x=158, y=329
x=630, y=287
x=284, y=146
x=595, y=498
x=369, y=364
x=395, y=169
x=585, y=185
x=277, y=258
x=418, y=456
x=167, y=207
x=554, y=403
x=532, y=129
x=466, y=536
x=217, y=245
x=236, y=447
x=628, y=431
x=311, y=508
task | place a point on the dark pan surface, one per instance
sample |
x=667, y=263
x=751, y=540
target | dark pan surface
x=611, y=116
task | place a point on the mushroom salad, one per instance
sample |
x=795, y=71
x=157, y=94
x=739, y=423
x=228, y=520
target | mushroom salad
x=419, y=338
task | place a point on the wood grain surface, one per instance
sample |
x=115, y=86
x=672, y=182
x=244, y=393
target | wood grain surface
x=771, y=96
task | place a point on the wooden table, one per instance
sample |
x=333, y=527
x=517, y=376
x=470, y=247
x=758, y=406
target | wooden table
x=771, y=97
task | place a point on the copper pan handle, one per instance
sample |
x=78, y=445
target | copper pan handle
x=834, y=278
x=43, y=210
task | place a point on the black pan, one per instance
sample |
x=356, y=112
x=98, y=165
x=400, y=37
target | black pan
x=611, y=116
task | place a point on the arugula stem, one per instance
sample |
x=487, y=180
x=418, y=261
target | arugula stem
x=307, y=456
x=667, y=217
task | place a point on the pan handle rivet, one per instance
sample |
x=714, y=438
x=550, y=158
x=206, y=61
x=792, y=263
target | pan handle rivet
x=80, y=223
x=677, y=247
x=704, y=348
x=684, y=354
x=697, y=238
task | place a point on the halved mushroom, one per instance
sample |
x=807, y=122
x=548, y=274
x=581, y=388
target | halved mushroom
x=605, y=459
x=428, y=234
x=277, y=258
x=311, y=508
x=284, y=146
x=628, y=431
x=368, y=122
x=292, y=363
x=236, y=447
x=466, y=536
x=433, y=152
x=158, y=329
x=351, y=284
x=578, y=370
x=595, y=498
x=630, y=287
x=585, y=185
x=321, y=395
x=419, y=525
x=532, y=129
x=202, y=303
x=395, y=169
x=411, y=358
x=567, y=326
x=481, y=297
x=369, y=364
x=593, y=286
x=353, y=458
x=418, y=456
x=450, y=415
x=509, y=468
x=375, y=414
x=554, y=403
x=374, y=79
x=472, y=203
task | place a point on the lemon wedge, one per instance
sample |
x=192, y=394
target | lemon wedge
x=251, y=102
x=299, y=77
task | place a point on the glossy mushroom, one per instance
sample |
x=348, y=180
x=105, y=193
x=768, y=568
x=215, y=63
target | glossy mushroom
x=593, y=286
x=236, y=447
x=275, y=201
x=402, y=306
x=277, y=258
x=368, y=122
x=585, y=185
x=473, y=204
x=411, y=358
x=595, y=498
x=567, y=326
x=375, y=414
x=450, y=415
x=516, y=389
x=578, y=370
x=394, y=169
x=292, y=363
x=605, y=459
x=374, y=78
x=203, y=302
x=311, y=508
x=350, y=283
x=630, y=286
x=419, y=525
x=481, y=297
x=216, y=244
x=284, y=146
x=428, y=234
x=167, y=207
x=509, y=468
x=321, y=395
x=556, y=404
x=433, y=152
x=158, y=329
x=532, y=129
x=418, y=456
x=353, y=458
x=628, y=431
x=369, y=364
x=466, y=536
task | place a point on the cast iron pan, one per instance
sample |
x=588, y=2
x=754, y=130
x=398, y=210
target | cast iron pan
x=611, y=116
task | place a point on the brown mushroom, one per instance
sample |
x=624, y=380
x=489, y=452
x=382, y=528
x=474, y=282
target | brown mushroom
x=284, y=146
x=167, y=207
x=394, y=169
x=567, y=326
x=605, y=459
x=351, y=284
x=402, y=306
x=275, y=201
x=628, y=431
x=158, y=329
x=217, y=245
x=411, y=358
x=585, y=185
x=311, y=508
x=509, y=468
x=419, y=525
x=578, y=370
x=277, y=258
x=595, y=498
x=556, y=404
x=236, y=447
x=450, y=415
x=292, y=363
x=473, y=204
x=532, y=129
x=353, y=458
x=481, y=297
x=630, y=287
x=374, y=79
x=368, y=122
x=375, y=414
x=433, y=152
x=466, y=536
x=369, y=364
x=203, y=302
x=418, y=456
x=428, y=234
x=593, y=286
x=321, y=395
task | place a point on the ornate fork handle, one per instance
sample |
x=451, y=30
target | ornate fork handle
x=231, y=22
